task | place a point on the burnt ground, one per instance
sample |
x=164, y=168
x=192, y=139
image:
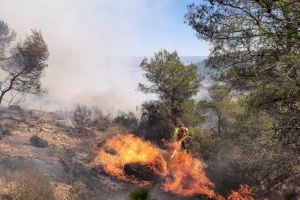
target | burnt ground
x=67, y=160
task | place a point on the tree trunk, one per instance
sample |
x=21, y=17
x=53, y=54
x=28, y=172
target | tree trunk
x=1, y=97
x=173, y=112
x=219, y=122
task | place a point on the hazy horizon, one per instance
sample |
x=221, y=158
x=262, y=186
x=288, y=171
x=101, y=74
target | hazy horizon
x=113, y=97
x=82, y=36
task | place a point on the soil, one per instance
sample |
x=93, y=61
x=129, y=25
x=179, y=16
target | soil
x=68, y=160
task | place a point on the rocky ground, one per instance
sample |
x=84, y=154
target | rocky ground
x=33, y=142
x=66, y=159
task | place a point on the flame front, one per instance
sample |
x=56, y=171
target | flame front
x=125, y=149
x=181, y=174
x=244, y=193
x=188, y=177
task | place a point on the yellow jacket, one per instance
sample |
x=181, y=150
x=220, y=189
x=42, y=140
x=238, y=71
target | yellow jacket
x=176, y=133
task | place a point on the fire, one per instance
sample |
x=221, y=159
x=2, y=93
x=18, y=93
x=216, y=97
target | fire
x=188, y=176
x=180, y=173
x=244, y=193
x=125, y=149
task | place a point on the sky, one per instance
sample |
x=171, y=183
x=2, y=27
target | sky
x=82, y=34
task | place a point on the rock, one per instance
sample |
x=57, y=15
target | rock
x=15, y=107
x=6, y=197
x=4, y=132
x=36, y=141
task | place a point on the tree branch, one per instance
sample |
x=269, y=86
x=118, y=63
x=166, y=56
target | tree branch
x=282, y=182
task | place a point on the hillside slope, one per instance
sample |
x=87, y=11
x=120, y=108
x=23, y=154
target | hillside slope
x=65, y=161
x=68, y=161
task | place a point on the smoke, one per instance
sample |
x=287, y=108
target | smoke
x=84, y=40
x=81, y=36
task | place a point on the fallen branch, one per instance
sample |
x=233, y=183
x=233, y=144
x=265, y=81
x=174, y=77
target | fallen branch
x=282, y=182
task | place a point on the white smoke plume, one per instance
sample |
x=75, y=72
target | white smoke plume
x=83, y=37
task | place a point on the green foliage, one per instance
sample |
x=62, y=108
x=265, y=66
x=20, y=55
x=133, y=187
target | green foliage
x=202, y=144
x=222, y=109
x=22, y=64
x=171, y=80
x=127, y=120
x=240, y=150
x=190, y=114
x=175, y=84
x=139, y=194
x=255, y=51
x=155, y=122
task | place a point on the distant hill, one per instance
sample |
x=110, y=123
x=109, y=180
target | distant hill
x=132, y=63
x=123, y=85
x=138, y=59
x=192, y=59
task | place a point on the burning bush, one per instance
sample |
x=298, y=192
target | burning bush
x=183, y=175
x=122, y=150
x=244, y=193
x=131, y=159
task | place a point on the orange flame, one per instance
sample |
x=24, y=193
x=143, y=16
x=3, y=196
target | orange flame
x=181, y=174
x=130, y=149
x=188, y=176
x=244, y=193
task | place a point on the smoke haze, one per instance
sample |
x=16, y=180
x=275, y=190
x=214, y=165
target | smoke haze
x=83, y=37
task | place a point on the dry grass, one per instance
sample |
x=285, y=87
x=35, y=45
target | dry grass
x=27, y=185
x=73, y=193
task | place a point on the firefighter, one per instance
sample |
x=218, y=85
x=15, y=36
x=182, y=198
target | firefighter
x=180, y=134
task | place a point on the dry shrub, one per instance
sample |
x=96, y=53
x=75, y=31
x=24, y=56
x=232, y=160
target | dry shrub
x=100, y=121
x=116, y=129
x=30, y=185
x=81, y=116
x=84, y=116
x=128, y=121
x=73, y=193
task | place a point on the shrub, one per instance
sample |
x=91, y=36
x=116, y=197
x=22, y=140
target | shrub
x=81, y=116
x=139, y=194
x=4, y=132
x=127, y=120
x=31, y=185
x=203, y=145
x=155, y=123
x=15, y=107
x=99, y=120
x=38, y=142
x=73, y=193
